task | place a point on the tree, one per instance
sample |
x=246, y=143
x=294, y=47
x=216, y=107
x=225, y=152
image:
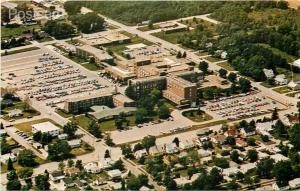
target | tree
x=230, y=140
x=88, y=23
x=41, y=182
x=275, y=114
x=283, y=172
x=295, y=136
x=70, y=128
x=163, y=112
x=252, y=155
x=245, y=85
x=118, y=165
x=13, y=185
x=61, y=165
x=223, y=73
x=280, y=129
x=78, y=164
x=176, y=141
x=232, y=77
x=12, y=175
x=232, y=185
x=126, y=151
x=25, y=172
x=10, y=165
x=264, y=168
x=37, y=136
x=26, y=158
x=59, y=29
x=129, y=91
x=94, y=129
x=184, y=55
x=140, y=116
x=70, y=163
x=221, y=162
x=203, y=66
x=5, y=15
x=46, y=138
x=234, y=155
x=179, y=55
x=5, y=147
x=251, y=141
x=107, y=154
x=249, y=181
x=59, y=150
x=133, y=183
x=148, y=142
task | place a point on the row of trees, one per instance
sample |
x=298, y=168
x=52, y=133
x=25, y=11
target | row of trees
x=88, y=23
x=59, y=29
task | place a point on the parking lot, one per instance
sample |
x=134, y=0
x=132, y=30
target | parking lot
x=242, y=106
x=49, y=78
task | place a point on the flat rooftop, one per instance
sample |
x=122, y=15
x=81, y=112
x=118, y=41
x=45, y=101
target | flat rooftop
x=89, y=96
x=45, y=127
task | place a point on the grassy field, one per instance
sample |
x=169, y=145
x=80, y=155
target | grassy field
x=213, y=59
x=83, y=149
x=170, y=37
x=17, y=167
x=194, y=22
x=146, y=28
x=195, y=116
x=226, y=66
x=282, y=90
x=265, y=84
x=26, y=126
x=19, y=105
x=19, y=51
x=202, y=53
x=293, y=94
x=288, y=74
x=63, y=114
x=7, y=32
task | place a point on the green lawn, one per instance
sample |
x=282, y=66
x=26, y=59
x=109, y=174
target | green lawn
x=194, y=116
x=17, y=167
x=282, y=90
x=267, y=85
x=83, y=149
x=226, y=66
x=7, y=32
x=26, y=126
x=213, y=59
x=170, y=37
x=202, y=53
x=288, y=74
x=146, y=28
x=194, y=22
x=19, y=51
x=63, y=114
x=293, y=94
x=19, y=105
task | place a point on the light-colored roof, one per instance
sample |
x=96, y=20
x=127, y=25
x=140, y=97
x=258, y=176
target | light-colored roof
x=74, y=142
x=123, y=98
x=100, y=54
x=134, y=46
x=99, y=114
x=279, y=157
x=45, y=127
x=114, y=173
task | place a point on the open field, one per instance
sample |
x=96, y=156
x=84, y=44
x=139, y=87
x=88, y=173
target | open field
x=282, y=89
x=226, y=66
x=197, y=21
x=170, y=37
x=7, y=32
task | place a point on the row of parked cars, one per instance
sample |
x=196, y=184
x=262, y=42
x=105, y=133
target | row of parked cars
x=24, y=135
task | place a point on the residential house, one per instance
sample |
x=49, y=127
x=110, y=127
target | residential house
x=294, y=85
x=62, y=136
x=281, y=80
x=106, y=163
x=15, y=113
x=268, y=73
x=4, y=158
x=144, y=188
x=279, y=157
x=294, y=184
x=114, y=173
x=246, y=167
x=71, y=171
x=248, y=131
x=186, y=144
x=92, y=167
x=74, y=143
x=171, y=148
x=156, y=149
x=262, y=155
x=218, y=139
x=240, y=143
x=204, y=153
x=276, y=187
x=68, y=182
x=140, y=153
x=232, y=132
x=56, y=176
x=230, y=171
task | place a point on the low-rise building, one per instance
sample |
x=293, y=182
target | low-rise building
x=230, y=171
x=140, y=153
x=114, y=173
x=294, y=183
x=121, y=100
x=75, y=143
x=156, y=149
x=294, y=85
x=4, y=158
x=171, y=148
x=204, y=153
x=92, y=167
x=56, y=176
x=68, y=182
x=15, y=113
x=246, y=167
x=281, y=79
x=186, y=144
x=62, y=136
x=46, y=127
x=218, y=139
x=279, y=157
x=83, y=103
x=87, y=51
x=268, y=73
